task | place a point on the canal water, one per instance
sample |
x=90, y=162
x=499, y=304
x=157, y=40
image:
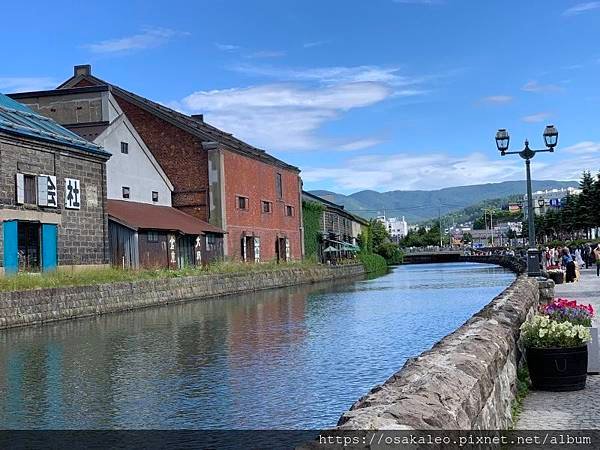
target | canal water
x=279, y=359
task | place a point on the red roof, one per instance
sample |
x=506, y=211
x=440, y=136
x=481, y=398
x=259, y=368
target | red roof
x=153, y=217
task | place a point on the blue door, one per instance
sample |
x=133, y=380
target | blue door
x=49, y=246
x=11, y=249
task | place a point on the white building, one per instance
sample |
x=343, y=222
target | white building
x=549, y=198
x=398, y=228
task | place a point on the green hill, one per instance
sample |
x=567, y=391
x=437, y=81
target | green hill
x=418, y=206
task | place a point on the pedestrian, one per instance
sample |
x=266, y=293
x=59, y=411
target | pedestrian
x=587, y=255
x=597, y=258
x=578, y=258
x=569, y=265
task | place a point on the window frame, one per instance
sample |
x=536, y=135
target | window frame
x=279, y=185
x=125, y=146
x=32, y=190
x=246, y=206
x=153, y=236
x=126, y=195
x=264, y=203
x=153, y=196
x=289, y=210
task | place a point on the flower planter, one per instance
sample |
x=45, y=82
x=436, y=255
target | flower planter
x=557, y=276
x=558, y=369
x=593, y=353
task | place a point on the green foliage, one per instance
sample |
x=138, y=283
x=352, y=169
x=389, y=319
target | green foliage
x=523, y=383
x=373, y=263
x=574, y=220
x=543, y=332
x=365, y=240
x=424, y=238
x=379, y=234
x=311, y=214
x=391, y=252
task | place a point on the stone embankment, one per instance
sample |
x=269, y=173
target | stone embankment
x=467, y=380
x=47, y=305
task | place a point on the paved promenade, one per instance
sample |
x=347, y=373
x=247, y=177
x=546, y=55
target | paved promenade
x=568, y=410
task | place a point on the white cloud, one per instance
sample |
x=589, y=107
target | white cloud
x=266, y=54
x=536, y=118
x=314, y=44
x=227, y=47
x=534, y=86
x=408, y=171
x=359, y=144
x=149, y=38
x=288, y=114
x=497, y=99
x=584, y=148
x=26, y=84
x=285, y=116
x=581, y=8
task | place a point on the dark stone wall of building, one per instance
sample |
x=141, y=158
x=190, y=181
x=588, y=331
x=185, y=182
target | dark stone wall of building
x=83, y=233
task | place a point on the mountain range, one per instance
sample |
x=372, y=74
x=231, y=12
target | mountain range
x=418, y=206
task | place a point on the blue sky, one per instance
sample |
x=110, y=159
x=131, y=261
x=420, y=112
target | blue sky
x=379, y=94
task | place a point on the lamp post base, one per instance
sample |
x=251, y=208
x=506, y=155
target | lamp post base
x=533, y=262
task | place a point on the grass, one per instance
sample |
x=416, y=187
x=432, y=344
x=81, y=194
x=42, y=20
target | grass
x=86, y=277
x=523, y=384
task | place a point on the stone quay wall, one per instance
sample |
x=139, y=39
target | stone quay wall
x=468, y=379
x=39, y=306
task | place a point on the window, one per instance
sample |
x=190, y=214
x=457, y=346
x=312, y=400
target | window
x=30, y=189
x=267, y=207
x=154, y=196
x=242, y=202
x=152, y=236
x=125, y=148
x=279, y=186
x=125, y=192
x=289, y=210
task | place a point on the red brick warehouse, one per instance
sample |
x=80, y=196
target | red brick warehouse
x=218, y=178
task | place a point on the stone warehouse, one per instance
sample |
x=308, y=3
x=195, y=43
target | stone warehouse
x=52, y=194
x=144, y=229
x=254, y=197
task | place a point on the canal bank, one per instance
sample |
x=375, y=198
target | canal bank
x=466, y=381
x=39, y=306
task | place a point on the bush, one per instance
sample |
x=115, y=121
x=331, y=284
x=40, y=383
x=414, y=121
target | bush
x=373, y=262
x=391, y=252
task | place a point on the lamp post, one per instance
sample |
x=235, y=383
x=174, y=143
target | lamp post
x=550, y=139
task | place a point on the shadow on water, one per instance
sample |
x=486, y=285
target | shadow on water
x=286, y=358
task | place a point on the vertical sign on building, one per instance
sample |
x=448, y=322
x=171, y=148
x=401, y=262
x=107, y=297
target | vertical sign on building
x=46, y=187
x=198, y=247
x=256, y=249
x=72, y=194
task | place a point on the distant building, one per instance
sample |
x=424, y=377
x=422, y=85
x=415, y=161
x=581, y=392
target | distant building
x=398, y=228
x=339, y=228
x=545, y=200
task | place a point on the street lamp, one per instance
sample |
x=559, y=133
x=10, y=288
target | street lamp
x=550, y=139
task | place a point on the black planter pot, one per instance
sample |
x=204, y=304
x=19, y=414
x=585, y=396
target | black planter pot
x=557, y=369
x=557, y=277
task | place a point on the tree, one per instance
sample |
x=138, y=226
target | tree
x=467, y=238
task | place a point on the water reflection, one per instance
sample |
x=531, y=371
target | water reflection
x=288, y=358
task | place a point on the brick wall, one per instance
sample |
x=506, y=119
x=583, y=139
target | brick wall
x=49, y=305
x=181, y=156
x=82, y=234
x=256, y=180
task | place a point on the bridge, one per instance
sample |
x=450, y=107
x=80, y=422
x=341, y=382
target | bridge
x=424, y=257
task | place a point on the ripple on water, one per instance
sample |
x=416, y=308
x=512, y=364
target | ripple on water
x=287, y=358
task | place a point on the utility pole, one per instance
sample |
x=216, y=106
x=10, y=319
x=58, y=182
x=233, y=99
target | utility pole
x=440, y=217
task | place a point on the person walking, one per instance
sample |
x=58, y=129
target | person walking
x=587, y=255
x=597, y=258
x=569, y=265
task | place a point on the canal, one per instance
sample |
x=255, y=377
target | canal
x=279, y=359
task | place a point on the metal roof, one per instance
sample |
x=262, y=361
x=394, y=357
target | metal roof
x=18, y=119
x=154, y=217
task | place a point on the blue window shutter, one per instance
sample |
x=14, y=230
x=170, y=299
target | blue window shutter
x=49, y=247
x=11, y=250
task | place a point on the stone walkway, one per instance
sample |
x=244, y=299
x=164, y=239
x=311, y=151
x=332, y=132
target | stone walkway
x=568, y=410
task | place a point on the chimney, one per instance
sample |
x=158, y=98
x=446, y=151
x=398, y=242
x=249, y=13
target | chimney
x=198, y=117
x=84, y=69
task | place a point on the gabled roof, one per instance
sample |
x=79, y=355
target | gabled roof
x=194, y=126
x=143, y=216
x=18, y=119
